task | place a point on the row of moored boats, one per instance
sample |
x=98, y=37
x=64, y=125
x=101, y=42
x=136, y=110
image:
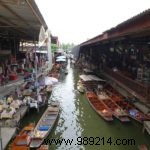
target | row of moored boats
x=107, y=101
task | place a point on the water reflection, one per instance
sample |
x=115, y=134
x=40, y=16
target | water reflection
x=69, y=122
x=77, y=119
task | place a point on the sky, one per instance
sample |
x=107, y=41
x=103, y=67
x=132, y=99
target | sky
x=75, y=21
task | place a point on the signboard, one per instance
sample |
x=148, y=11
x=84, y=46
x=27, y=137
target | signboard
x=42, y=36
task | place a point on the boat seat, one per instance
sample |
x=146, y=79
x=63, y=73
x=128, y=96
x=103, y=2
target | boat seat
x=43, y=128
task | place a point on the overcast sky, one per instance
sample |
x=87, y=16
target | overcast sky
x=75, y=21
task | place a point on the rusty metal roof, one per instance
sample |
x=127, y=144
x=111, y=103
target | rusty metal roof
x=138, y=25
x=21, y=19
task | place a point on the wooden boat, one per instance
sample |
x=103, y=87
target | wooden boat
x=66, y=71
x=130, y=109
x=142, y=147
x=44, y=126
x=23, y=139
x=99, y=106
x=43, y=147
x=118, y=112
x=91, y=81
x=80, y=87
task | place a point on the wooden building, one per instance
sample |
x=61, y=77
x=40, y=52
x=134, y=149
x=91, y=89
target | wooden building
x=122, y=54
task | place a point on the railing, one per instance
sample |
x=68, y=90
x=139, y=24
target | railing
x=138, y=88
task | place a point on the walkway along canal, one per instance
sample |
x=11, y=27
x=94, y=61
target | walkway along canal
x=80, y=128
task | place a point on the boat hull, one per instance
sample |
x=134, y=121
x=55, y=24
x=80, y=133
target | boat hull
x=129, y=108
x=99, y=107
x=22, y=141
x=44, y=126
x=117, y=111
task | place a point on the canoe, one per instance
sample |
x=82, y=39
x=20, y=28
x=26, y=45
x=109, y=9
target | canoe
x=66, y=72
x=44, y=126
x=80, y=87
x=142, y=147
x=43, y=147
x=129, y=108
x=118, y=112
x=99, y=106
x=23, y=139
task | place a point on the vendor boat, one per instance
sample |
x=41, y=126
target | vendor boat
x=118, y=112
x=44, y=126
x=43, y=147
x=99, y=106
x=80, y=87
x=66, y=71
x=23, y=139
x=129, y=108
x=142, y=147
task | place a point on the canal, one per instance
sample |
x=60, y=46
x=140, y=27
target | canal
x=80, y=128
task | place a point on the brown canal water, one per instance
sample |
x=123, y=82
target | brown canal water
x=80, y=128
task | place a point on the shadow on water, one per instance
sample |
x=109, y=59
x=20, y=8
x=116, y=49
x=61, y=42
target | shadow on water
x=79, y=122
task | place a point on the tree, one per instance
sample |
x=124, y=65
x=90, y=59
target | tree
x=54, y=47
x=67, y=47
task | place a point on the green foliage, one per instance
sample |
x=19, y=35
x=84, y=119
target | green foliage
x=54, y=48
x=66, y=47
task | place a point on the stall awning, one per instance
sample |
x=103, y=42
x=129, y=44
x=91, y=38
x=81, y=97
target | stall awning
x=21, y=19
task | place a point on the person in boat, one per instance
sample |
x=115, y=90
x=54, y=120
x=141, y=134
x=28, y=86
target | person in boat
x=27, y=75
x=39, y=98
x=99, y=88
x=94, y=90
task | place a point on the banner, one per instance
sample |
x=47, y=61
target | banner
x=49, y=49
x=42, y=36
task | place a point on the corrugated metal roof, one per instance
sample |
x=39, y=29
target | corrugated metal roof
x=131, y=20
x=116, y=31
x=20, y=18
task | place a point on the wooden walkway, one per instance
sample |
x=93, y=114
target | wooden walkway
x=14, y=122
x=6, y=134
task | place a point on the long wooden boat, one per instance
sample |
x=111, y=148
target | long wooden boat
x=118, y=112
x=129, y=108
x=43, y=147
x=80, y=87
x=44, y=126
x=23, y=139
x=99, y=106
x=142, y=147
x=66, y=71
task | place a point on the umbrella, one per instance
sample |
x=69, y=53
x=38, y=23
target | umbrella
x=50, y=80
x=54, y=80
x=60, y=57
